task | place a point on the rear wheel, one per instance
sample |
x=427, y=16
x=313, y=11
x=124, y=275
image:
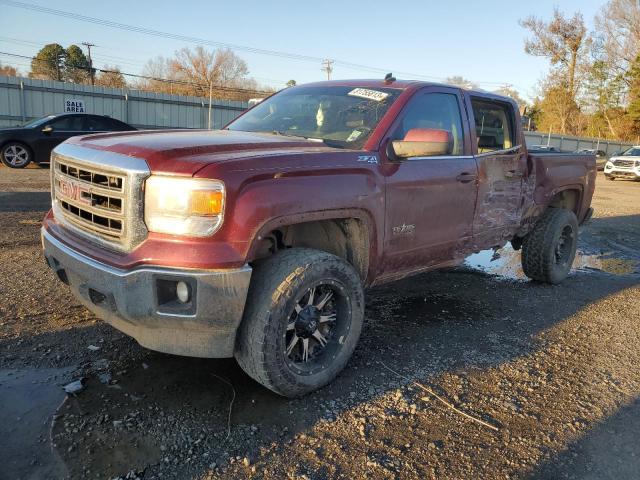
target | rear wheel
x=16, y=155
x=549, y=249
x=302, y=321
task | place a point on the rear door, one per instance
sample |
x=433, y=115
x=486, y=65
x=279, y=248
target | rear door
x=502, y=164
x=430, y=200
x=96, y=124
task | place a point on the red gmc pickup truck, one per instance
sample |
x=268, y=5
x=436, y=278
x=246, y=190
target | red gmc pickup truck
x=256, y=241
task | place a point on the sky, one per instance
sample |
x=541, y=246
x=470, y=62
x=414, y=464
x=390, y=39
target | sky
x=480, y=41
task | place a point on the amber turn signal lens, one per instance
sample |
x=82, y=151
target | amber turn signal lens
x=206, y=203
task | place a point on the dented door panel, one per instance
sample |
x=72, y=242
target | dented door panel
x=499, y=208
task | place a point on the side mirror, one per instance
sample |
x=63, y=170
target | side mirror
x=47, y=129
x=423, y=142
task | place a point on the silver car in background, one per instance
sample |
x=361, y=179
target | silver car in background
x=601, y=156
x=624, y=165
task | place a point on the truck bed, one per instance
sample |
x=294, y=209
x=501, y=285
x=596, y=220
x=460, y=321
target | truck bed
x=554, y=172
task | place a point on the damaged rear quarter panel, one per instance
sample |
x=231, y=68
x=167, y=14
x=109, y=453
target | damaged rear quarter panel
x=558, y=172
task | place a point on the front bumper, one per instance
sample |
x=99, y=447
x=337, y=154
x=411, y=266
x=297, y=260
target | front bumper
x=136, y=301
x=617, y=172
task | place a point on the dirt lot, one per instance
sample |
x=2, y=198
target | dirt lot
x=554, y=369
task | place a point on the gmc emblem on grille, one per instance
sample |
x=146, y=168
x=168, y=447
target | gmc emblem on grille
x=74, y=191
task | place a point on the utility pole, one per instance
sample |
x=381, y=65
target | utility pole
x=327, y=66
x=210, y=100
x=58, y=60
x=89, y=45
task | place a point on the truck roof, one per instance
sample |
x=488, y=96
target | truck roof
x=404, y=85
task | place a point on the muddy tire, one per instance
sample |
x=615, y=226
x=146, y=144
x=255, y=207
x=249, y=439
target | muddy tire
x=302, y=320
x=549, y=249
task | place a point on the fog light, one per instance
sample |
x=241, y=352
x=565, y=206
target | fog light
x=182, y=292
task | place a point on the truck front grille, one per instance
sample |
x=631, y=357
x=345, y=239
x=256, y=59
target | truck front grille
x=623, y=163
x=99, y=195
x=93, y=200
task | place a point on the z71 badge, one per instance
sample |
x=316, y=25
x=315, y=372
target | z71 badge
x=368, y=158
x=404, y=229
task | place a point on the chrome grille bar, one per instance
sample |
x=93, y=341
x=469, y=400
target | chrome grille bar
x=99, y=195
x=623, y=163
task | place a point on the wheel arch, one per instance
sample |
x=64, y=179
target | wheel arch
x=348, y=234
x=569, y=197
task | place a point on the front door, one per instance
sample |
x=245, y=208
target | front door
x=502, y=165
x=62, y=128
x=430, y=200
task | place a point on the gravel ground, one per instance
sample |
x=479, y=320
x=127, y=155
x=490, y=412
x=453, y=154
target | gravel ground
x=551, y=371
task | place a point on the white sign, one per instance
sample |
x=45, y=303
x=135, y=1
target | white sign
x=374, y=95
x=73, y=106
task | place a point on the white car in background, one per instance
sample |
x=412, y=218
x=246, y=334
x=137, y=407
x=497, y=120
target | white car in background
x=625, y=165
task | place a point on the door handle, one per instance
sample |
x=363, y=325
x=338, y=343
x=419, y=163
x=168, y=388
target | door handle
x=513, y=174
x=466, y=177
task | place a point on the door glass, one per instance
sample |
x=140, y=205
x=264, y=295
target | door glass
x=98, y=125
x=493, y=125
x=68, y=124
x=436, y=112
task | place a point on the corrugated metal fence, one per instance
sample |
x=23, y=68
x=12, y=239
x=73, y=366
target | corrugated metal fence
x=23, y=99
x=571, y=144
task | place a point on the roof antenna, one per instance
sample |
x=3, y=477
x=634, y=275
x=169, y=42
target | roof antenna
x=389, y=78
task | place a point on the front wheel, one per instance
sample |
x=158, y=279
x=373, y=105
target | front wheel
x=302, y=320
x=549, y=249
x=16, y=155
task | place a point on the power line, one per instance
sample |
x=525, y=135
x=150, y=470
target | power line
x=202, y=41
x=117, y=60
x=157, y=79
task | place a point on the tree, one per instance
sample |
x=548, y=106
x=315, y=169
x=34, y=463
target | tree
x=111, y=77
x=200, y=68
x=559, y=110
x=509, y=91
x=618, y=25
x=193, y=71
x=156, y=68
x=462, y=82
x=603, y=100
x=291, y=83
x=8, y=71
x=633, y=111
x=563, y=41
x=48, y=64
x=77, y=69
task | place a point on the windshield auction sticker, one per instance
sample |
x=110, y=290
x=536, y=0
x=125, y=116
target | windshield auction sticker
x=368, y=94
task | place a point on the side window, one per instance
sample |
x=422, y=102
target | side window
x=71, y=123
x=435, y=113
x=117, y=125
x=95, y=124
x=494, y=125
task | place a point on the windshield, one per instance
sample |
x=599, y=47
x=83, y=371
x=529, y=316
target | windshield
x=37, y=121
x=632, y=152
x=340, y=116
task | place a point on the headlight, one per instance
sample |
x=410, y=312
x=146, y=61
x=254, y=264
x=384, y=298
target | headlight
x=183, y=206
x=608, y=165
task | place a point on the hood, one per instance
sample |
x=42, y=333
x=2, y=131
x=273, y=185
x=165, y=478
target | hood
x=11, y=130
x=184, y=152
x=625, y=157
